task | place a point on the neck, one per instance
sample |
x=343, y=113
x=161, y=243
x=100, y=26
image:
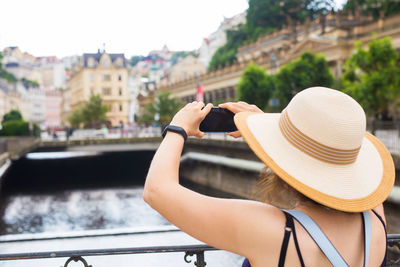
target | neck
x=317, y=209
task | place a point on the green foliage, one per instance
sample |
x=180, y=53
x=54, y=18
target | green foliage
x=265, y=16
x=13, y=115
x=15, y=128
x=29, y=83
x=92, y=114
x=255, y=86
x=182, y=54
x=5, y=74
x=147, y=116
x=307, y=71
x=373, y=7
x=75, y=118
x=372, y=76
x=135, y=60
x=14, y=125
x=36, y=130
x=164, y=105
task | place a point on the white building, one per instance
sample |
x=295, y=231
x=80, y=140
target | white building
x=37, y=107
x=218, y=38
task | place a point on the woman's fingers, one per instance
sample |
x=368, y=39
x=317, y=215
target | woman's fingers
x=234, y=134
x=241, y=106
x=230, y=106
x=207, y=109
x=199, y=134
x=200, y=104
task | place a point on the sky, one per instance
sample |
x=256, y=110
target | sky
x=73, y=27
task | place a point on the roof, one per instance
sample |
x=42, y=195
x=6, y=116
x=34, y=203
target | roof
x=98, y=55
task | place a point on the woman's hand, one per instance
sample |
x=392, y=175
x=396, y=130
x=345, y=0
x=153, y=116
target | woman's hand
x=237, y=107
x=190, y=117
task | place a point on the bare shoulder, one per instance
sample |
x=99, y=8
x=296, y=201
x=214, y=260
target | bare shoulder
x=380, y=211
x=264, y=228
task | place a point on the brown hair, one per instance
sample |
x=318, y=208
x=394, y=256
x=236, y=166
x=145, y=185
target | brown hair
x=273, y=190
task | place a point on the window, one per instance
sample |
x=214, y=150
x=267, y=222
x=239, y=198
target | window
x=91, y=63
x=120, y=107
x=106, y=77
x=120, y=91
x=106, y=63
x=91, y=77
x=106, y=91
x=223, y=94
x=118, y=62
x=91, y=91
x=232, y=92
x=120, y=77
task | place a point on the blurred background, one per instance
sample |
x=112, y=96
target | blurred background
x=87, y=87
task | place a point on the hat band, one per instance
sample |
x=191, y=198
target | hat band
x=312, y=147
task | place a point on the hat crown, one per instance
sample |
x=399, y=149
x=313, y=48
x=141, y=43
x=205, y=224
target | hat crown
x=329, y=117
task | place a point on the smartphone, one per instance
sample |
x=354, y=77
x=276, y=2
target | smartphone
x=218, y=120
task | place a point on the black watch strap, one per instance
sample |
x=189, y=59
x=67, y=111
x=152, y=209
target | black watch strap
x=175, y=129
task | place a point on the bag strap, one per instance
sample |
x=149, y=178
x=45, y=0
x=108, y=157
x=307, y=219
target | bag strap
x=367, y=236
x=319, y=237
x=323, y=242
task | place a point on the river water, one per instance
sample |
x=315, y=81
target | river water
x=90, y=218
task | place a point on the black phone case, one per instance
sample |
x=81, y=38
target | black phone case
x=218, y=120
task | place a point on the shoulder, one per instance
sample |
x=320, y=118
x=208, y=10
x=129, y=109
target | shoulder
x=380, y=211
x=264, y=228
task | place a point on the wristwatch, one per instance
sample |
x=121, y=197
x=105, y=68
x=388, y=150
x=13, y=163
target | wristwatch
x=175, y=129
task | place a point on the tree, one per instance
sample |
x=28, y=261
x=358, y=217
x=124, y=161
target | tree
x=13, y=124
x=75, y=118
x=148, y=115
x=15, y=128
x=92, y=114
x=164, y=106
x=135, y=60
x=372, y=77
x=13, y=115
x=266, y=16
x=255, y=86
x=307, y=71
x=376, y=8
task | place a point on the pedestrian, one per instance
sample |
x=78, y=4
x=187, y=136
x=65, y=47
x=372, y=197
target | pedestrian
x=318, y=155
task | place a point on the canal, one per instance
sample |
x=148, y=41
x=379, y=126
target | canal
x=53, y=201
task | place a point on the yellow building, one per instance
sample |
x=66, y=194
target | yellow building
x=102, y=74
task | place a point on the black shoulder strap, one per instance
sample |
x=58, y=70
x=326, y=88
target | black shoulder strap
x=384, y=226
x=285, y=242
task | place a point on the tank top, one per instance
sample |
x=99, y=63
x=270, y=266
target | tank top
x=289, y=228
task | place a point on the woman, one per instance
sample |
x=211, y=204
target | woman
x=319, y=149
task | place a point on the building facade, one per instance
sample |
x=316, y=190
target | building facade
x=105, y=75
x=218, y=38
x=335, y=40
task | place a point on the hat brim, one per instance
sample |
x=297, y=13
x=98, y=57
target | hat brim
x=355, y=187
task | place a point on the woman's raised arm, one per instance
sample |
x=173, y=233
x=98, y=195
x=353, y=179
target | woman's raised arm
x=233, y=225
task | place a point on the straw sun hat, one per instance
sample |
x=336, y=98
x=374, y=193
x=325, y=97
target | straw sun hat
x=320, y=147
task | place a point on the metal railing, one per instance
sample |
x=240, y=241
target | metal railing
x=393, y=257
x=77, y=255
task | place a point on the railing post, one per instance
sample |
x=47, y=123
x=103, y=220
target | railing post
x=200, y=259
x=200, y=262
x=75, y=259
